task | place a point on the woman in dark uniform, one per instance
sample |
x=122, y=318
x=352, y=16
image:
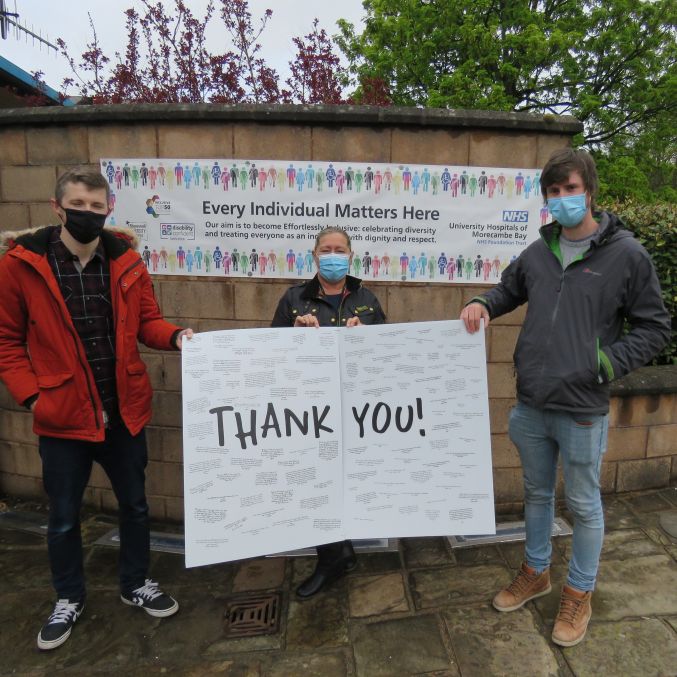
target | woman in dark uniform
x=331, y=299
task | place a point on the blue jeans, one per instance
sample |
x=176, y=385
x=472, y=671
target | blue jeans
x=541, y=435
x=66, y=467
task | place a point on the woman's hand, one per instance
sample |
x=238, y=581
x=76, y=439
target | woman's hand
x=308, y=320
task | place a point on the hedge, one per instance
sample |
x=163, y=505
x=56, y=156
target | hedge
x=655, y=226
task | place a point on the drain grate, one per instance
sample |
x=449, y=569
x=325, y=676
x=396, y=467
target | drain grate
x=252, y=615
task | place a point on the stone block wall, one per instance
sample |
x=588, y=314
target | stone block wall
x=36, y=145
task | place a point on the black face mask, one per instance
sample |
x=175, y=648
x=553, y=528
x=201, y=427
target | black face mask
x=83, y=225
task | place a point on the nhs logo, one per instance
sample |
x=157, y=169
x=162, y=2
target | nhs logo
x=515, y=216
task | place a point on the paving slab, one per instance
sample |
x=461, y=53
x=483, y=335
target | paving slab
x=624, y=544
x=643, y=586
x=425, y=552
x=647, y=502
x=15, y=538
x=24, y=569
x=170, y=570
x=377, y=563
x=457, y=585
x=105, y=638
x=483, y=554
x=669, y=494
x=260, y=574
x=376, y=595
x=225, y=668
x=637, y=647
x=406, y=646
x=668, y=522
x=487, y=643
x=320, y=621
x=617, y=514
x=307, y=665
x=513, y=553
x=193, y=631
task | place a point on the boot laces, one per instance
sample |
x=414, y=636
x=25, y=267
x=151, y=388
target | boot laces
x=569, y=608
x=520, y=582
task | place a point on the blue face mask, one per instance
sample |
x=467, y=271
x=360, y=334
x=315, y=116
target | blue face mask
x=568, y=211
x=334, y=267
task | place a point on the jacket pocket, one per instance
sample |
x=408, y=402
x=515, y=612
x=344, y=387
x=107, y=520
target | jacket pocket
x=136, y=396
x=56, y=403
x=136, y=368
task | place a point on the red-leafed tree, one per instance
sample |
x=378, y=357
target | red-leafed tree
x=166, y=60
x=316, y=71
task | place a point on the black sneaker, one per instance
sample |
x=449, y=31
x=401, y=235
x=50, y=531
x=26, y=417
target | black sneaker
x=151, y=599
x=58, y=627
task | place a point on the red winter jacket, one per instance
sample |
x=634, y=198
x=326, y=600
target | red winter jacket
x=41, y=352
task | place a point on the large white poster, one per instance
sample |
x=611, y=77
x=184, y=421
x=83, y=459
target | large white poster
x=297, y=437
x=259, y=218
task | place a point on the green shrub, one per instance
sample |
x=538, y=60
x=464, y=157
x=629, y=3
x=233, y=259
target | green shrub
x=655, y=226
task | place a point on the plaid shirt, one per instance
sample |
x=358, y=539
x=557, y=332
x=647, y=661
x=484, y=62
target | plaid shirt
x=87, y=294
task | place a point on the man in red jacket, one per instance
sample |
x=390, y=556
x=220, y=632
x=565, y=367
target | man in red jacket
x=76, y=297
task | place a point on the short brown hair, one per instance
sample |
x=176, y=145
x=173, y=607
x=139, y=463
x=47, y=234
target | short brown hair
x=91, y=177
x=328, y=231
x=566, y=160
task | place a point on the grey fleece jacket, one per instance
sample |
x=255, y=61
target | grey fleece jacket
x=572, y=342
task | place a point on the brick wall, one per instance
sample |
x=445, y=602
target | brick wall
x=38, y=144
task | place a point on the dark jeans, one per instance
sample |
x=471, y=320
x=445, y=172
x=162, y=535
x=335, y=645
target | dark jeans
x=66, y=467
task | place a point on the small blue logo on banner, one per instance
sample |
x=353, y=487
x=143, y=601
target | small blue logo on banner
x=515, y=216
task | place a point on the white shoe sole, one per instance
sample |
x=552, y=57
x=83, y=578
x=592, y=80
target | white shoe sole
x=521, y=604
x=154, y=612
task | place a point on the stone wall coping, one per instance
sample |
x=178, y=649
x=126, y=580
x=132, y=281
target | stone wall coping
x=338, y=115
x=658, y=380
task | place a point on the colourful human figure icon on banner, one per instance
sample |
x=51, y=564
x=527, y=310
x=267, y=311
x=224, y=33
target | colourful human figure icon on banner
x=217, y=257
x=413, y=267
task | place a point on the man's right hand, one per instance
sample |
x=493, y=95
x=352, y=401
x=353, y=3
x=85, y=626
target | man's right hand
x=472, y=314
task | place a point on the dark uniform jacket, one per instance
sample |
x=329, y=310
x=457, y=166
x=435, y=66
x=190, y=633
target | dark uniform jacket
x=307, y=298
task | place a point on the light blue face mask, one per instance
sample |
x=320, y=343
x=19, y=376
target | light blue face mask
x=334, y=267
x=568, y=211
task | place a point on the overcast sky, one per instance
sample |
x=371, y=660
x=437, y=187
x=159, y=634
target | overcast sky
x=67, y=19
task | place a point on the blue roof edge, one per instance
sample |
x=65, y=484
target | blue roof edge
x=27, y=79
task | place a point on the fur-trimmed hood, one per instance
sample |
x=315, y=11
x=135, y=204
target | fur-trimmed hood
x=10, y=238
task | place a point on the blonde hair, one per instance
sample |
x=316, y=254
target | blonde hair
x=328, y=231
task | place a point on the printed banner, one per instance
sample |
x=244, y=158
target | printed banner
x=259, y=218
x=298, y=437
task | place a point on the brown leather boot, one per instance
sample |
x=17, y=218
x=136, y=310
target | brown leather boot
x=573, y=617
x=525, y=586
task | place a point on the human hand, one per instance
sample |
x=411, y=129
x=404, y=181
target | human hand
x=472, y=314
x=353, y=322
x=188, y=333
x=308, y=320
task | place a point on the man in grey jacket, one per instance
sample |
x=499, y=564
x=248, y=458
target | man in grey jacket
x=583, y=279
